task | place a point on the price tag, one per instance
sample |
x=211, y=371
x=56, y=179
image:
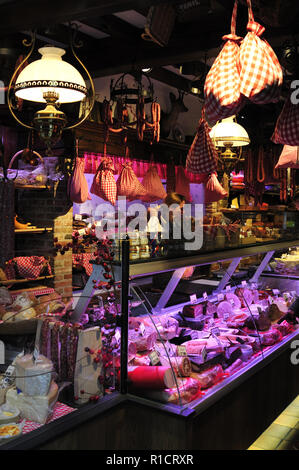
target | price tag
x=117, y=335
x=225, y=316
x=154, y=358
x=78, y=217
x=205, y=295
x=228, y=288
x=244, y=283
x=204, y=353
x=215, y=331
x=142, y=329
x=81, y=231
x=182, y=351
x=193, y=299
x=275, y=291
x=286, y=296
x=35, y=354
x=220, y=297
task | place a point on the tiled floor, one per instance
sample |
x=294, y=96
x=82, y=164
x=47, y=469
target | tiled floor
x=283, y=433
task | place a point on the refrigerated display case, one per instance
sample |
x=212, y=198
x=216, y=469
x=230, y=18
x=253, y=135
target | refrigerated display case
x=206, y=355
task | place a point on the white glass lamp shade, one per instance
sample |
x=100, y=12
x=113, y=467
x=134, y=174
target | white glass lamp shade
x=228, y=133
x=50, y=73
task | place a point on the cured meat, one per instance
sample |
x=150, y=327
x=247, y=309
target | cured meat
x=209, y=377
x=143, y=341
x=233, y=299
x=237, y=320
x=234, y=367
x=188, y=390
x=271, y=337
x=192, y=311
x=284, y=327
x=224, y=307
x=151, y=377
x=262, y=322
x=180, y=365
x=273, y=312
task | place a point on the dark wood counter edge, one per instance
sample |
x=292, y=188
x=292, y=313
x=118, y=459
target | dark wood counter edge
x=45, y=433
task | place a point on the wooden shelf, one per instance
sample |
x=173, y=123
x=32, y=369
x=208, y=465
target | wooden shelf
x=34, y=230
x=30, y=186
x=21, y=281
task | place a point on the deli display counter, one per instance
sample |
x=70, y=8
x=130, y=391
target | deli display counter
x=205, y=354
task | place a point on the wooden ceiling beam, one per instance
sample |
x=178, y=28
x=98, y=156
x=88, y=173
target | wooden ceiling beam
x=31, y=14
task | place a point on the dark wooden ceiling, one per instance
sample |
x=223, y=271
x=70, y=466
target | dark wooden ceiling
x=110, y=31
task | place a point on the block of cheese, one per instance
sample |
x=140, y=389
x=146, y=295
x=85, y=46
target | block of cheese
x=33, y=377
x=37, y=408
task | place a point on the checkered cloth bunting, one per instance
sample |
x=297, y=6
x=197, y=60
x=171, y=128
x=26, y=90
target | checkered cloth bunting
x=261, y=75
x=104, y=184
x=202, y=156
x=287, y=126
x=222, y=86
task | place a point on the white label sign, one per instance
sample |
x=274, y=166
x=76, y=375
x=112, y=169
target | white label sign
x=182, y=351
x=154, y=358
x=193, y=299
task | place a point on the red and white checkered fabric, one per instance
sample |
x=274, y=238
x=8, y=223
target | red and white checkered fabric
x=261, y=75
x=104, y=184
x=59, y=410
x=83, y=259
x=27, y=267
x=287, y=125
x=222, y=86
x=128, y=184
x=202, y=156
x=213, y=190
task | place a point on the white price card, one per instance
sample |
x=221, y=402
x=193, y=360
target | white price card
x=193, y=299
x=182, y=350
x=220, y=297
x=228, y=288
x=215, y=331
x=142, y=329
x=82, y=231
x=117, y=335
x=78, y=217
x=204, y=353
x=276, y=291
x=225, y=316
x=154, y=358
x=244, y=283
x=205, y=295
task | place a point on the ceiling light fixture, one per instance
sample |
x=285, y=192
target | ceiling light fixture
x=53, y=81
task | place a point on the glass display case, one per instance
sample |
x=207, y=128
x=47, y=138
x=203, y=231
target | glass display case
x=199, y=326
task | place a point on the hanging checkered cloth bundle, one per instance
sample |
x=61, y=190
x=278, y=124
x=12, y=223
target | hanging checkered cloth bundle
x=104, y=184
x=128, y=184
x=202, y=156
x=287, y=126
x=261, y=75
x=222, y=86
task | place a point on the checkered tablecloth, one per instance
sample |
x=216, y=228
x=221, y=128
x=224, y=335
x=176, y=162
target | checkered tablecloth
x=27, y=267
x=59, y=410
x=83, y=259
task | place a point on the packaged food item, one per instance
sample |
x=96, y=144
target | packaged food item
x=34, y=408
x=33, y=377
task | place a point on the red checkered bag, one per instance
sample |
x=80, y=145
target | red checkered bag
x=213, y=190
x=289, y=157
x=222, y=86
x=27, y=267
x=261, y=75
x=104, y=184
x=128, y=184
x=287, y=125
x=153, y=185
x=202, y=156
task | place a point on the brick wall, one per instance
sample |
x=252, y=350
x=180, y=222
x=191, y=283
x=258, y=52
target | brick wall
x=44, y=209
